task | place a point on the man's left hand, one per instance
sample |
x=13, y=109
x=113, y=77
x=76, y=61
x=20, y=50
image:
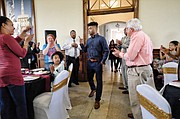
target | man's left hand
x=75, y=45
x=116, y=52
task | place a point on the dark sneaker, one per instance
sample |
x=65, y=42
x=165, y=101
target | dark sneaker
x=130, y=115
x=91, y=94
x=122, y=88
x=96, y=105
x=125, y=92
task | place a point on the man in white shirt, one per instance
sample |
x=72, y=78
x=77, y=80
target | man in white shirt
x=72, y=51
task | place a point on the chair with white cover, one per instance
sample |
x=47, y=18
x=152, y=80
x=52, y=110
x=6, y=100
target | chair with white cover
x=70, y=71
x=170, y=70
x=50, y=105
x=67, y=99
x=153, y=105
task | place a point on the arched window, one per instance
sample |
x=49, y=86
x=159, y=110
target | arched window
x=101, y=7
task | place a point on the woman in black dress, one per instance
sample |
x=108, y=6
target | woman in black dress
x=111, y=56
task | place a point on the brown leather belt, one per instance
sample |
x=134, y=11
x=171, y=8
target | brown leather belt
x=137, y=66
x=93, y=60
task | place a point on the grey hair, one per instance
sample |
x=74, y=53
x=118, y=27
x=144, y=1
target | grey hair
x=135, y=24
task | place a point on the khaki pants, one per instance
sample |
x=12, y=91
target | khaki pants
x=124, y=73
x=137, y=76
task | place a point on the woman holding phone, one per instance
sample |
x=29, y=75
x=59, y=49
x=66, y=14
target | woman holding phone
x=12, y=90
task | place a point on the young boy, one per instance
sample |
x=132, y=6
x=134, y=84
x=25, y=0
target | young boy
x=172, y=50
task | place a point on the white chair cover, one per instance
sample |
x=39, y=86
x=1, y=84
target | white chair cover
x=50, y=105
x=70, y=71
x=169, y=73
x=153, y=105
x=67, y=99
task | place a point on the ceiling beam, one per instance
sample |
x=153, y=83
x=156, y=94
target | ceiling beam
x=110, y=11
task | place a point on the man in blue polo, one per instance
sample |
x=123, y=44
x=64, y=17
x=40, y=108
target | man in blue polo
x=97, y=53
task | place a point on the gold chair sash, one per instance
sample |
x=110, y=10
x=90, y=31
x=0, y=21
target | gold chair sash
x=59, y=85
x=153, y=109
x=62, y=83
x=170, y=70
x=70, y=72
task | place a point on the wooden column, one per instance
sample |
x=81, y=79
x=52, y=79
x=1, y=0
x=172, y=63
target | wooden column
x=136, y=8
x=83, y=58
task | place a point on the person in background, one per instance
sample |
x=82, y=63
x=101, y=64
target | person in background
x=72, y=50
x=125, y=44
x=111, y=56
x=167, y=52
x=30, y=60
x=172, y=50
x=176, y=56
x=48, y=49
x=118, y=60
x=138, y=58
x=97, y=53
x=12, y=89
x=35, y=50
x=58, y=64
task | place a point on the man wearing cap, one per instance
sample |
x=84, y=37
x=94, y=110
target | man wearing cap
x=97, y=53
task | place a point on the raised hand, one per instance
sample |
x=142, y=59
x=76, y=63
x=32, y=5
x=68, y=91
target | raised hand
x=51, y=68
x=75, y=45
x=24, y=30
x=28, y=38
x=81, y=40
x=55, y=42
x=116, y=52
x=119, y=42
x=38, y=44
x=165, y=51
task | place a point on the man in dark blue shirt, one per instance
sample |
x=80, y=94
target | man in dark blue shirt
x=97, y=53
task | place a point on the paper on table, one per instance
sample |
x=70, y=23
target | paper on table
x=41, y=72
x=176, y=84
x=29, y=78
x=38, y=69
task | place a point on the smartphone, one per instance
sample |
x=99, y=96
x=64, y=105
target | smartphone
x=30, y=31
x=162, y=47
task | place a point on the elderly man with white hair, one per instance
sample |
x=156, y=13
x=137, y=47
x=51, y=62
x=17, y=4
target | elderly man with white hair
x=138, y=59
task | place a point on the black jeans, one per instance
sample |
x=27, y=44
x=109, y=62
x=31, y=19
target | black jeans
x=92, y=68
x=13, y=102
x=74, y=75
x=112, y=63
x=117, y=62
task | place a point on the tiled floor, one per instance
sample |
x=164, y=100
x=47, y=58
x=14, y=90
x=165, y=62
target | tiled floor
x=114, y=104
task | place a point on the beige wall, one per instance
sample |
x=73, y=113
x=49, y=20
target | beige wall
x=60, y=15
x=161, y=20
